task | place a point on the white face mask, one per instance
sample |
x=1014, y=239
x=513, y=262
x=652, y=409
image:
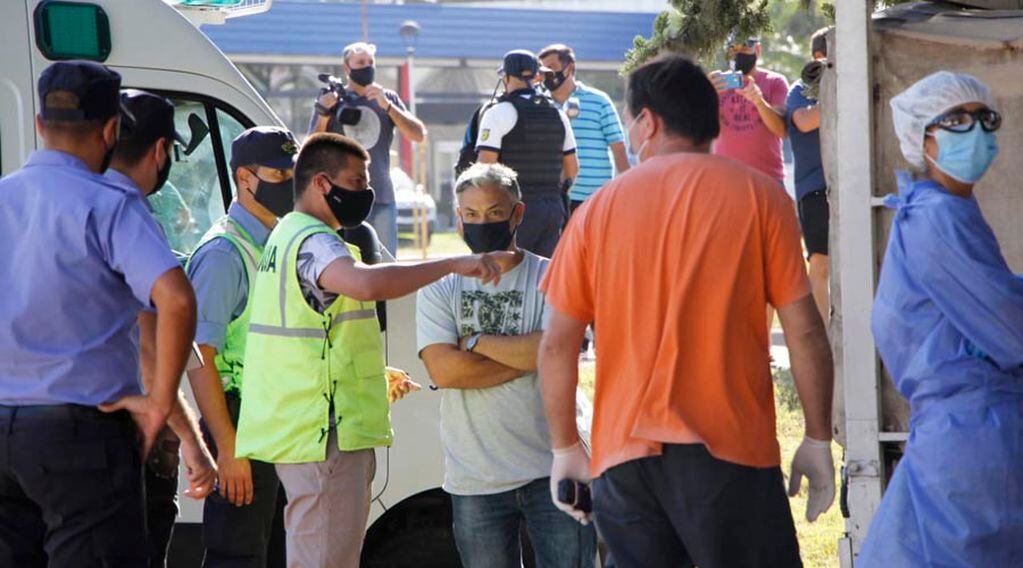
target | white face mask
x=628, y=131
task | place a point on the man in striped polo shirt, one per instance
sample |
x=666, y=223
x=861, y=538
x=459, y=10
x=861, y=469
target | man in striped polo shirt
x=594, y=119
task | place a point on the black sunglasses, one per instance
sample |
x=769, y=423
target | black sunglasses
x=963, y=120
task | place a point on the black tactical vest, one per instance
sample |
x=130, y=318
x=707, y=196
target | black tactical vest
x=535, y=146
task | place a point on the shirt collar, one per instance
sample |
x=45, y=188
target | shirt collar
x=122, y=180
x=248, y=221
x=45, y=157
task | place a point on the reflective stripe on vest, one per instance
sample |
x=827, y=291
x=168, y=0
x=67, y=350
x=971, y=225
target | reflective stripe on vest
x=230, y=360
x=301, y=365
x=535, y=146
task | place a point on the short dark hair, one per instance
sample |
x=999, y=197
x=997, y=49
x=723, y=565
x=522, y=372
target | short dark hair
x=76, y=129
x=819, y=41
x=325, y=152
x=565, y=54
x=132, y=148
x=676, y=89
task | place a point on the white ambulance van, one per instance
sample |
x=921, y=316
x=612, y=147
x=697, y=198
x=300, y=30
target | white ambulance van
x=159, y=48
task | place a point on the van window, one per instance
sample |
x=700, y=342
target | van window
x=191, y=199
x=230, y=128
x=199, y=187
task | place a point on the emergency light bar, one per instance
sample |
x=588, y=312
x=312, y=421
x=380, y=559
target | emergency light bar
x=217, y=12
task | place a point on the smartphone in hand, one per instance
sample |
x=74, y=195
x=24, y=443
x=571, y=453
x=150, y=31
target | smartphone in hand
x=575, y=494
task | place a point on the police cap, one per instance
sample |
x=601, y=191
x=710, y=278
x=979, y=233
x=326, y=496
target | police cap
x=73, y=91
x=521, y=63
x=267, y=146
x=154, y=118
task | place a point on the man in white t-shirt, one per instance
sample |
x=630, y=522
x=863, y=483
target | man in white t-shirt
x=528, y=133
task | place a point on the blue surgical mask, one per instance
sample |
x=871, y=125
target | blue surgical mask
x=628, y=139
x=965, y=156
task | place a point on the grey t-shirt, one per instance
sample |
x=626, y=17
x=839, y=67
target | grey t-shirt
x=494, y=439
x=314, y=254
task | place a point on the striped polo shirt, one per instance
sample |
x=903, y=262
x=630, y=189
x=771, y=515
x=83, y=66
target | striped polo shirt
x=596, y=127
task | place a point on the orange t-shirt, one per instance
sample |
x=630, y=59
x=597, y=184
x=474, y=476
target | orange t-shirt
x=675, y=261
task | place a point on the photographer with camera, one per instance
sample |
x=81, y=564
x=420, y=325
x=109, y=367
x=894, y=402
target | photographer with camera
x=367, y=112
x=751, y=110
x=803, y=119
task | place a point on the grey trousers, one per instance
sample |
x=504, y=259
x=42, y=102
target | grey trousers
x=328, y=507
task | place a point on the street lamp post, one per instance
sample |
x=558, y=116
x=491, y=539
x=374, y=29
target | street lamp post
x=409, y=32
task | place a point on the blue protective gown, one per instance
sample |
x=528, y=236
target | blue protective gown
x=956, y=498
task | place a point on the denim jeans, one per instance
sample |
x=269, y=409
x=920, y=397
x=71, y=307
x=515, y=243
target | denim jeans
x=384, y=218
x=487, y=530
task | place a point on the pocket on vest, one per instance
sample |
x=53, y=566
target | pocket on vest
x=371, y=386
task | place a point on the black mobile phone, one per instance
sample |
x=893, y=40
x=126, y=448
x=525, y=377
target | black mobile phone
x=576, y=494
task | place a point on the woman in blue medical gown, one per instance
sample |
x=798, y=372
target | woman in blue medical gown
x=948, y=323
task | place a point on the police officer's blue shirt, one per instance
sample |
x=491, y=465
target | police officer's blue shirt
x=80, y=259
x=118, y=178
x=806, y=146
x=221, y=285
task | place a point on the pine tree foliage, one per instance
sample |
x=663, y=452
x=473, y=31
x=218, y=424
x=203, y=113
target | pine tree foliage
x=700, y=28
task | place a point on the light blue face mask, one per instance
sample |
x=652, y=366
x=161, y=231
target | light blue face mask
x=965, y=156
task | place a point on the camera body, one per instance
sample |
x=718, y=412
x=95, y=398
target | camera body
x=734, y=80
x=349, y=115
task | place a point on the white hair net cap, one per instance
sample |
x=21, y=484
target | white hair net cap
x=914, y=108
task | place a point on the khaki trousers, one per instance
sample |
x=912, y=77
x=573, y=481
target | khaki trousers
x=328, y=507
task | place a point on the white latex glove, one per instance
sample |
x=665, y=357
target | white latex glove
x=570, y=463
x=813, y=459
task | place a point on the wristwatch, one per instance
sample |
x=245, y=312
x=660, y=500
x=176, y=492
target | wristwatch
x=473, y=341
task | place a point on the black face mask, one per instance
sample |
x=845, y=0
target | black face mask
x=162, y=175
x=745, y=62
x=554, y=80
x=350, y=208
x=363, y=76
x=488, y=237
x=278, y=198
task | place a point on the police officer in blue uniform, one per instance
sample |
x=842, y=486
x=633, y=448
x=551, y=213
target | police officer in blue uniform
x=142, y=162
x=243, y=523
x=81, y=258
x=528, y=133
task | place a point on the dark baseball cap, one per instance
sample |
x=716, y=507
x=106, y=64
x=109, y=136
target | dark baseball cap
x=72, y=91
x=521, y=63
x=267, y=146
x=154, y=117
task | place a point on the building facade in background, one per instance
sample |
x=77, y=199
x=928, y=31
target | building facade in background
x=456, y=56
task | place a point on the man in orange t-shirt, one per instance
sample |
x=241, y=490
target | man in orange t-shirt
x=676, y=261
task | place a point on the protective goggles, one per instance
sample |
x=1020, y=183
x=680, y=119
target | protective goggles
x=963, y=121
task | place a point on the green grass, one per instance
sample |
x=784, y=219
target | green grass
x=818, y=541
x=442, y=244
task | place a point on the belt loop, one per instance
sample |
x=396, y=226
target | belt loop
x=10, y=423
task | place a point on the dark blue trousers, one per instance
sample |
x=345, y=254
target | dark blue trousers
x=250, y=536
x=71, y=492
x=541, y=224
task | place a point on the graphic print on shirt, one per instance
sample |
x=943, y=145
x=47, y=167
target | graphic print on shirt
x=737, y=113
x=367, y=131
x=499, y=313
